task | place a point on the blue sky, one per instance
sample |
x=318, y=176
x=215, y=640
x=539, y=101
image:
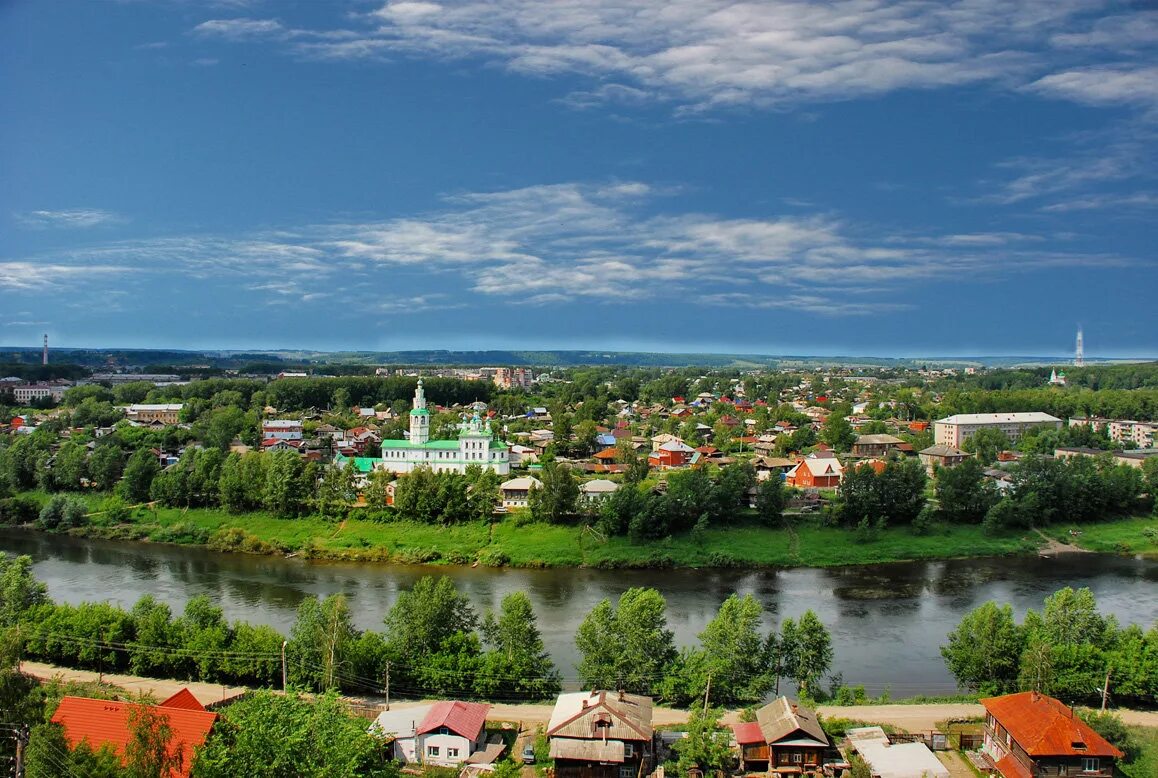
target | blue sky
x=974, y=177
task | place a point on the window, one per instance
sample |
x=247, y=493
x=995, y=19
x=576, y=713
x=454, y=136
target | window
x=797, y=757
x=432, y=750
x=451, y=752
x=628, y=750
x=1090, y=764
x=443, y=731
x=626, y=772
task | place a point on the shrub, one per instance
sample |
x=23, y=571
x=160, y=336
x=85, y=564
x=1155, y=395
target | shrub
x=417, y=556
x=492, y=557
x=19, y=510
x=184, y=533
x=722, y=559
x=62, y=512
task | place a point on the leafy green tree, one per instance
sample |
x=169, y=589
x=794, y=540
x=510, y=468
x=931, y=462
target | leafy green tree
x=204, y=635
x=771, y=497
x=986, y=443
x=140, y=471
x=319, y=647
x=151, y=751
x=735, y=657
x=896, y=494
x=241, y=484
x=254, y=656
x=807, y=649
x=707, y=746
x=430, y=619
x=837, y=432
x=288, y=490
x=517, y=662
x=963, y=492
x=267, y=735
x=336, y=491
x=48, y=756
x=70, y=466
x=983, y=650
x=20, y=591
x=156, y=636
x=106, y=464
x=557, y=500
x=627, y=647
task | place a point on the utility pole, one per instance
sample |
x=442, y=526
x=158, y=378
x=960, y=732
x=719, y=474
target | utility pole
x=21, y=742
x=387, y=684
x=1106, y=689
x=283, y=674
x=707, y=691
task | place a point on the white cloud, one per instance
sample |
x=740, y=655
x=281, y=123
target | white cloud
x=560, y=243
x=1102, y=85
x=73, y=218
x=717, y=53
x=1103, y=201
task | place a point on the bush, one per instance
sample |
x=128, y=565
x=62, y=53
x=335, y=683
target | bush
x=18, y=510
x=492, y=557
x=722, y=559
x=237, y=539
x=417, y=556
x=62, y=513
x=183, y=533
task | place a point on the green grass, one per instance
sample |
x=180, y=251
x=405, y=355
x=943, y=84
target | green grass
x=1146, y=765
x=536, y=545
x=1137, y=535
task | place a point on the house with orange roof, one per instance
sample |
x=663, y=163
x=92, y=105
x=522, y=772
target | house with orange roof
x=106, y=722
x=1031, y=734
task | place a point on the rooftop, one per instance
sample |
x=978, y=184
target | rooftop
x=1044, y=726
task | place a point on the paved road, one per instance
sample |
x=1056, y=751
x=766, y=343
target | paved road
x=911, y=718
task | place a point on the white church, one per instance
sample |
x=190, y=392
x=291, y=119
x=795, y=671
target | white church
x=476, y=445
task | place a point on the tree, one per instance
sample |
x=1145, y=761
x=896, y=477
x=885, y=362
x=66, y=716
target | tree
x=156, y=634
x=517, y=663
x=48, y=756
x=770, y=500
x=556, y=500
x=151, y=751
x=707, y=746
x=241, y=484
x=336, y=491
x=983, y=651
x=837, y=432
x=205, y=634
x=807, y=650
x=267, y=735
x=20, y=591
x=423, y=618
x=986, y=443
x=137, y=480
x=628, y=647
x=70, y=466
x=287, y=489
x=735, y=657
x=963, y=492
x=320, y=642
x=106, y=464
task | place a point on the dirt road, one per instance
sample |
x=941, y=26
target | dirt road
x=911, y=718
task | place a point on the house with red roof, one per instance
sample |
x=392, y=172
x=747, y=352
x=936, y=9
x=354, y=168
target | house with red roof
x=106, y=722
x=1031, y=734
x=445, y=734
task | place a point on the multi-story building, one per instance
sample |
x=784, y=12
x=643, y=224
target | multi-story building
x=511, y=377
x=154, y=413
x=602, y=735
x=25, y=394
x=1140, y=434
x=1028, y=735
x=955, y=430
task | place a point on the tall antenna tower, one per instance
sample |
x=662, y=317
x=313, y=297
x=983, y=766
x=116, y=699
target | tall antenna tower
x=44, y=356
x=1079, y=352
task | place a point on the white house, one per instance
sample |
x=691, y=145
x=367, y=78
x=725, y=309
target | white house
x=596, y=490
x=516, y=491
x=445, y=734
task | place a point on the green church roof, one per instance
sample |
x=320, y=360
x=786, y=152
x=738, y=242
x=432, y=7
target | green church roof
x=420, y=412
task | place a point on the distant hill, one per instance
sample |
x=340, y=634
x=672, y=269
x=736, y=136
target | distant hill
x=225, y=359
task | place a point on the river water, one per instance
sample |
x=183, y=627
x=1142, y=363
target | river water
x=887, y=621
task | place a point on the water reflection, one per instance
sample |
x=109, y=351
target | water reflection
x=887, y=621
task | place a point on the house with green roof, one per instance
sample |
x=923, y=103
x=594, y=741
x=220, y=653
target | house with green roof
x=476, y=445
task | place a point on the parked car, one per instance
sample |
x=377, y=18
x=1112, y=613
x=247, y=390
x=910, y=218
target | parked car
x=529, y=753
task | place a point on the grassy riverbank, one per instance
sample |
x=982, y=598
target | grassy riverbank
x=517, y=544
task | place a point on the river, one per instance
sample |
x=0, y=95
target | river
x=887, y=621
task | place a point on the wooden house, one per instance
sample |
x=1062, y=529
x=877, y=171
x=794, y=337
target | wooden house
x=1031, y=734
x=786, y=738
x=602, y=734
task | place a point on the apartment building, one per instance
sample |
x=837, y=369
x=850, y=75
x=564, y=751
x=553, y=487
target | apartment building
x=955, y=430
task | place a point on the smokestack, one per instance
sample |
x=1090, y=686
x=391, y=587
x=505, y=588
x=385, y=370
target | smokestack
x=44, y=356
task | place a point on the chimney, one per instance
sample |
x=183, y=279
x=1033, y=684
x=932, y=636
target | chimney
x=584, y=703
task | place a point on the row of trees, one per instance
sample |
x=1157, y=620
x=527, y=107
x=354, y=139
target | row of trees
x=1067, y=650
x=433, y=643
x=629, y=646
x=1043, y=491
